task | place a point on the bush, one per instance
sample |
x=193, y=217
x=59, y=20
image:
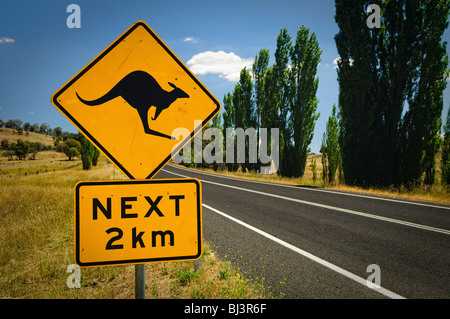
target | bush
x=4, y=144
x=20, y=149
x=185, y=277
x=71, y=148
x=89, y=154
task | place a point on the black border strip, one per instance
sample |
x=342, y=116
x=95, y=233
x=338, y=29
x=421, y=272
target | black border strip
x=96, y=60
x=137, y=182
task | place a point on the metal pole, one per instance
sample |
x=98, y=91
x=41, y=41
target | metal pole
x=139, y=277
x=197, y=264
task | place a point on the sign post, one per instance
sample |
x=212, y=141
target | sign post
x=128, y=101
x=139, y=280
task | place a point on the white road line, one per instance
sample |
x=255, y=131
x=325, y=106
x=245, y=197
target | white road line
x=318, y=190
x=342, y=210
x=312, y=257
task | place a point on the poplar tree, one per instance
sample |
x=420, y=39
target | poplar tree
x=269, y=105
x=282, y=56
x=421, y=127
x=227, y=115
x=331, y=153
x=259, y=69
x=239, y=111
x=87, y=152
x=228, y=122
x=305, y=57
x=243, y=107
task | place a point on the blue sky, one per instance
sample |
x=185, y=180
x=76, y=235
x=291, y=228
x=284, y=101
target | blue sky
x=39, y=53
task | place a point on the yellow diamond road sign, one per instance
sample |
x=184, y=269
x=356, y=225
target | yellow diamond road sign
x=137, y=221
x=129, y=100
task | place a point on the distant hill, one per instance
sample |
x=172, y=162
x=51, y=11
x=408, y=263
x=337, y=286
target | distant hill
x=7, y=133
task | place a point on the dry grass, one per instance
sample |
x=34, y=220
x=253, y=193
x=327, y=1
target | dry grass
x=12, y=136
x=48, y=161
x=432, y=194
x=36, y=244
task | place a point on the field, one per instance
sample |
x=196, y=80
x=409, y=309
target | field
x=36, y=242
x=11, y=135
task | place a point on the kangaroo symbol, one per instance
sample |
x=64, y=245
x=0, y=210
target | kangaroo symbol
x=141, y=91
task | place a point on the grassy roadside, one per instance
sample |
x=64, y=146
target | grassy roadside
x=36, y=243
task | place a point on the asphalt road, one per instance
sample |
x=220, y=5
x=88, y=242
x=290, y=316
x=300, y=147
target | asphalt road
x=315, y=243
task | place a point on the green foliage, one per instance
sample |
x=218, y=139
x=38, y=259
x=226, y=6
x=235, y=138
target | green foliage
x=95, y=156
x=446, y=153
x=228, y=114
x=243, y=108
x=331, y=153
x=186, y=276
x=89, y=154
x=391, y=82
x=21, y=149
x=244, y=113
x=420, y=132
x=4, y=144
x=281, y=96
x=361, y=117
x=36, y=147
x=282, y=55
x=305, y=56
x=71, y=148
x=259, y=69
x=223, y=274
x=269, y=104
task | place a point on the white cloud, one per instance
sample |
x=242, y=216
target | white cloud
x=227, y=65
x=7, y=40
x=190, y=40
x=335, y=62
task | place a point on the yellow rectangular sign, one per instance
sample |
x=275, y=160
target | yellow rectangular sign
x=137, y=221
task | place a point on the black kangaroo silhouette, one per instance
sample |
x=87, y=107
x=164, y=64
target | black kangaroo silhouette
x=141, y=91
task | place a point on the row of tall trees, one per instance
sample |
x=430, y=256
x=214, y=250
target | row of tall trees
x=391, y=82
x=282, y=95
x=386, y=129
